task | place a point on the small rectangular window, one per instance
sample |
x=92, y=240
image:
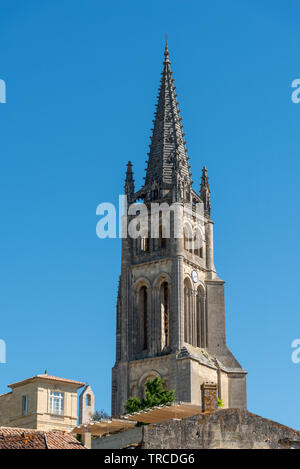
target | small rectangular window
x=56, y=403
x=24, y=405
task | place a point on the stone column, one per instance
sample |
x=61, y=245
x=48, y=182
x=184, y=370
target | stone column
x=118, y=326
x=194, y=316
x=156, y=320
x=125, y=314
x=131, y=314
x=87, y=440
x=210, y=247
x=149, y=339
x=204, y=321
x=177, y=304
x=135, y=325
x=190, y=317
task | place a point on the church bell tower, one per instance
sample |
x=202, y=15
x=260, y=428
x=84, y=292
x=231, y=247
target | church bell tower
x=170, y=306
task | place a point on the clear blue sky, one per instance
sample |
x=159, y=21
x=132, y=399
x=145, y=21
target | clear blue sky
x=82, y=79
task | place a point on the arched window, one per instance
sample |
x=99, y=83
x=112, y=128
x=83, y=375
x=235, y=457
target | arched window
x=155, y=194
x=198, y=243
x=143, y=307
x=165, y=314
x=186, y=241
x=187, y=310
x=188, y=238
x=142, y=387
x=200, y=318
x=144, y=244
x=88, y=400
x=162, y=242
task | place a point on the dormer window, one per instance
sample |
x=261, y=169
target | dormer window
x=56, y=403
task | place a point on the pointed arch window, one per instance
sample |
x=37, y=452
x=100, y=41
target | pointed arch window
x=143, y=307
x=185, y=240
x=155, y=194
x=198, y=244
x=165, y=314
x=162, y=242
x=188, y=238
x=145, y=245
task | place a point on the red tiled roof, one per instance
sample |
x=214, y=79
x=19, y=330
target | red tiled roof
x=24, y=438
x=61, y=440
x=47, y=377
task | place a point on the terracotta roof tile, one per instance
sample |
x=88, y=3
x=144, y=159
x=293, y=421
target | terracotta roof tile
x=62, y=440
x=24, y=438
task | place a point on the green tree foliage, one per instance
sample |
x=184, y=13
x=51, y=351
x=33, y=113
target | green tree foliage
x=155, y=394
x=133, y=404
x=220, y=403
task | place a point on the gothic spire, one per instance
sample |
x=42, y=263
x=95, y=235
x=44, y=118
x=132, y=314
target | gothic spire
x=167, y=149
x=129, y=182
x=205, y=191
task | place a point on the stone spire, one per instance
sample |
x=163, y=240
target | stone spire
x=205, y=191
x=129, y=182
x=167, y=149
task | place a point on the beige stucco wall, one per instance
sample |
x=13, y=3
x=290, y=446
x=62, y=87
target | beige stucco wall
x=39, y=416
x=199, y=375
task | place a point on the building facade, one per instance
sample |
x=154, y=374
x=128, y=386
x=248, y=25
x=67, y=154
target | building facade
x=86, y=405
x=43, y=402
x=170, y=307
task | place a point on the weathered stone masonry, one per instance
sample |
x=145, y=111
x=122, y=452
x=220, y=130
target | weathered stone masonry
x=223, y=429
x=170, y=307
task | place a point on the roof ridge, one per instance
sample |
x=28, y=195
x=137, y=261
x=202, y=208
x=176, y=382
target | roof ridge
x=47, y=377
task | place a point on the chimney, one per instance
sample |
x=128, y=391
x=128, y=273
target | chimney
x=209, y=397
x=87, y=439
